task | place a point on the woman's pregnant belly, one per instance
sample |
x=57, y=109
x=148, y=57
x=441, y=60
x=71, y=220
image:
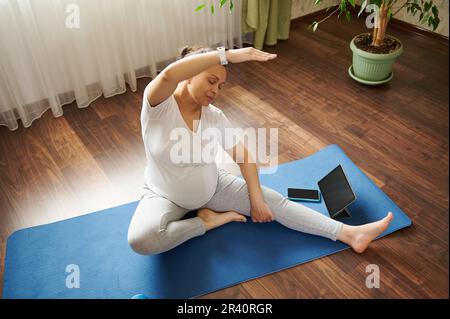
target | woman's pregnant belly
x=187, y=186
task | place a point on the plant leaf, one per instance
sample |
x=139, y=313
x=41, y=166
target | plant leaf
x=363, y=6
x=348, y=15
x=315, y=26
x=435, y=11
x=200, y=7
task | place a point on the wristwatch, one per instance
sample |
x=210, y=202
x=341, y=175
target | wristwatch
x=223, y=58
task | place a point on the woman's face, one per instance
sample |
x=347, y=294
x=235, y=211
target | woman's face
x=205, y=87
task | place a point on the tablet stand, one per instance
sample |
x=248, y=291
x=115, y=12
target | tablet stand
x=342, y=214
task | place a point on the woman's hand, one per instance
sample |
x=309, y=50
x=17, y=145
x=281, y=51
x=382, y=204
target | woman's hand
x=248, y=54
x=260, y=211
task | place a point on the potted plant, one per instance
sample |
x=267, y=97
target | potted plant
x=375, y=52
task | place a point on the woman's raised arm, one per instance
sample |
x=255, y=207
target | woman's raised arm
x=167, y=80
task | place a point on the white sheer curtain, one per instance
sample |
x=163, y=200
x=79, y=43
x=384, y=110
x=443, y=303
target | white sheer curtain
x=44, y=64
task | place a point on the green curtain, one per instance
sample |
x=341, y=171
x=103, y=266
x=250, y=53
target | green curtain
x=270, y=20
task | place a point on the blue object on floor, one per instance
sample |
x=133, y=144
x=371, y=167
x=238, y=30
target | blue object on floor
x=139, y=296
x=37, y=257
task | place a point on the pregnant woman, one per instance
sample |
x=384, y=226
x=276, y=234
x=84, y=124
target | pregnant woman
x=180, y=98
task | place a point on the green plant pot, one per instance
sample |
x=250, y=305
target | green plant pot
x=373, y=67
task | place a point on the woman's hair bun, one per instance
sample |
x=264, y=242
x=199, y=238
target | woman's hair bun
x=195, y=49
x=185, y=50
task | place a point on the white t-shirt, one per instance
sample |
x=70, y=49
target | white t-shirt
x=177, y=167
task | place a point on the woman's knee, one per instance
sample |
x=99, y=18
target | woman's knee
x=275, y=200
x=150, y=243
x=146, y=232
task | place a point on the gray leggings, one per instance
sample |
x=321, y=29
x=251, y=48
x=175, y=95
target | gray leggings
x=156, y=226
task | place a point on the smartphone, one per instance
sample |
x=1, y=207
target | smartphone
x=310, y=195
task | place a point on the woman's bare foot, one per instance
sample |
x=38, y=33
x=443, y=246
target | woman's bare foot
x=359, y=237
x=213, y=219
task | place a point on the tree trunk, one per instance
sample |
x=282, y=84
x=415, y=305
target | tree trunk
x=374, y=36
x=379, y=34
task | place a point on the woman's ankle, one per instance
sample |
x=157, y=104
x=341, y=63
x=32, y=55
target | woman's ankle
x=346, y=234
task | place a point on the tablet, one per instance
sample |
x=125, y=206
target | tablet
x=337, y=192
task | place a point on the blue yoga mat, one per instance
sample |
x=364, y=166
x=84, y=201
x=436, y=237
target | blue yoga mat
x=96, y=243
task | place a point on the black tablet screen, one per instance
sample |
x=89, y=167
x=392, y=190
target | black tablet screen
x=336, y=191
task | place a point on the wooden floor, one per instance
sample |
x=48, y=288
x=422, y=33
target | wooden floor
x=93, y=158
